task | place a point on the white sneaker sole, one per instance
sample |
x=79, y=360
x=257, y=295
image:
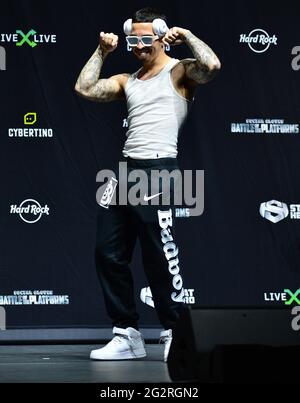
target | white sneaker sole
x=124, y=355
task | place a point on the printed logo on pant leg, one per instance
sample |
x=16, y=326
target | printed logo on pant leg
x=147, y=298
x=108, y=193
x=171, y=252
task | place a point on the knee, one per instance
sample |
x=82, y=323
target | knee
x=111, y=256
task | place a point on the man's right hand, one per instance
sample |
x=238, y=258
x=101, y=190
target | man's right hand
x=108, y=42
x=89, y=83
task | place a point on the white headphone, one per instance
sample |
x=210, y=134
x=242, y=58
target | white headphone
x=159, y=26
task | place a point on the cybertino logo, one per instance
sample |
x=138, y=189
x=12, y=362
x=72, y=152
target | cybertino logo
x=30, y=118
x=2, y=58
x=274, y=210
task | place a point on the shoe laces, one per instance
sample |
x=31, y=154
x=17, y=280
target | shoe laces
x=121, y=338
x=118, y=339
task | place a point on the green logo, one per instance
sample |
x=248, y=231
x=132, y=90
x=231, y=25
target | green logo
x=30, y=118
x=25, y=38
x=293, y=296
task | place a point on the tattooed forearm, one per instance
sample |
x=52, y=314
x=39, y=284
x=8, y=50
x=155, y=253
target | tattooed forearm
x=90, y=73
x=206, y=64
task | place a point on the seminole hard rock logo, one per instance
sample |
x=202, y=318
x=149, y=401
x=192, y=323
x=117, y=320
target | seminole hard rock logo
x=258, y=40
x=30, y=210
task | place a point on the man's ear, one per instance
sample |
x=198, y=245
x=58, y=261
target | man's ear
x=165, y=46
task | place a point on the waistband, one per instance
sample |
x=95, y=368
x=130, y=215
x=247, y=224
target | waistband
x=156, y=162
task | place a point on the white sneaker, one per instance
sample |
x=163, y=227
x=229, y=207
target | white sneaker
x=127, y=344
x=166, y=337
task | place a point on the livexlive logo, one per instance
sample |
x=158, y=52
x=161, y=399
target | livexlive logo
x=287, y=296
x=2, y=58
x=31, y=38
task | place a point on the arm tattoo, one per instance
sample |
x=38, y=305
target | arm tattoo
x=206, y=64
x=104, y=90
x=91, y=87
x=90, y=73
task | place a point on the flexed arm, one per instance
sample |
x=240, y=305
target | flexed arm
x=89, y=85
x=205, y=65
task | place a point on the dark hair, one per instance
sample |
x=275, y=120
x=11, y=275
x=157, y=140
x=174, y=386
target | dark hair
x=147, y=14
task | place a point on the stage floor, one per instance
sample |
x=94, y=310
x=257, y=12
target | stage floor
x=71, y=363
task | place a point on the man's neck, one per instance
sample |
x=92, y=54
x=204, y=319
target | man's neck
x=156, y=64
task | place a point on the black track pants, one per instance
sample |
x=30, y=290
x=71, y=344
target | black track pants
x=118, y=228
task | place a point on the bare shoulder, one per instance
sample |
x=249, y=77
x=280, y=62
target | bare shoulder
x=179, y=72
x=184, y=86
x=181, y=66
x=121, y=79
x=194, y=73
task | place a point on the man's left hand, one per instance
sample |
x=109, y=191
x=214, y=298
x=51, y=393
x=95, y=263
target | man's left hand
x=175, y=36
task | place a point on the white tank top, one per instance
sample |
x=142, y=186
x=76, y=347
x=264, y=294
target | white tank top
x=156, y=113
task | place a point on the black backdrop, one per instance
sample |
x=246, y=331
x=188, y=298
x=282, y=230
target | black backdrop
x=230, y=255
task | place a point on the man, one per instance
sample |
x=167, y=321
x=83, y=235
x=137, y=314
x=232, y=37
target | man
x=158, y=97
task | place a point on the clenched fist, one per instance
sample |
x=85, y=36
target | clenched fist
x=108, y=42
x=175, y=36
